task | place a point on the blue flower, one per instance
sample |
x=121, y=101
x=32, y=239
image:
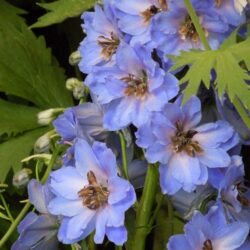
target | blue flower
x=229, y=10
x=133, y=88
x=233, y=194
x=184, y=149
x=102, y=40
x=84, y=121
x=135, y=18
x=91, y=195
x=38, y=231
x=210, y=232
x=175, y=30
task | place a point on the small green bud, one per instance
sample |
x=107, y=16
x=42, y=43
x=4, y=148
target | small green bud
x=76, y=86
x=47, y=116
x=74, y=58
x=21, y=178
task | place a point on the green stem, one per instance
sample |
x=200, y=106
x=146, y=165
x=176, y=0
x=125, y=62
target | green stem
x=124, y=155
x=37, y=170
x=50, y=166
x=170, y=227
x=28, y=205
x=144, y=211
x=156, y=211
x=243, y=114
x=197, y=24
x=6, y=208
x=14, y=224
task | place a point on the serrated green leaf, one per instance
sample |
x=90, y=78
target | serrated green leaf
x=17, y=118
x=15, y=149
x=231, y=77
x=10, y=12
x=28, y=70
x=61, y=10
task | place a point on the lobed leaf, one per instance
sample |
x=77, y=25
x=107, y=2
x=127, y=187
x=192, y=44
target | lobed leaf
x=230, y=76
x=17, y=118
x=28, y=70
x=61, y=10
x=15, y=149
x=10, y=12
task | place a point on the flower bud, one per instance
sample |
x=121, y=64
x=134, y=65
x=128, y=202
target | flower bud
x=47, y=116
x=21, y=178
x=74, y=58
x=76, y=86
x=42, y=144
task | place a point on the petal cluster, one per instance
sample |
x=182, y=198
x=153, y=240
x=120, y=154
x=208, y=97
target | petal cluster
x=185, y=149
x=90, y=195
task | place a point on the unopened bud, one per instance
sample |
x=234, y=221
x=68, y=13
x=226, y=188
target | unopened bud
x=42, y=144
x=74, y=58
x=47, y=116
x=76, y=86
x=21, y=178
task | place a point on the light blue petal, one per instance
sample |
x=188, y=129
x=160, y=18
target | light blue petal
x=67, y=182
x=62, y=206
x=118, y=235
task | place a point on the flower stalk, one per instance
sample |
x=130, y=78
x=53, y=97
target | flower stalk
x=197, y=24
x=124, y=155
x=145, y=208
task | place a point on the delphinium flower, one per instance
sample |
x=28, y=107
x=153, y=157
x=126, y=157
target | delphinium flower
x=38, y=231
x=231, y=10
x=133, y=88
x=84, y=121
x=90, y=195
x=103, y=37
x=233, y=194
x=135, y=18
x=210, y=232
x=175, y=30
x=184, y=149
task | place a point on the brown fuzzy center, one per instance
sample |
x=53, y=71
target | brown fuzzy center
x=183, y=141
x=109, y=45
x=136, y=86
x=188, y=31
x=94, y=195
x=207, y=245
x=153, y=10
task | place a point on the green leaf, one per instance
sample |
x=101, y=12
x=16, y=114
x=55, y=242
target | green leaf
x=28, y=70
x=61, y=10
x=9, y=12
x=15, y=149
x=17, y=118
x=227, y=61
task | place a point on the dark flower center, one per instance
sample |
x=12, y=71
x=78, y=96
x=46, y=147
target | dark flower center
x=94, y=195
x=135, y=85
x=218, y=3
x=109, y=45
x=153, y=10
x=241, y=197
x=188, y=31
x=207, y=245
x=183, y=141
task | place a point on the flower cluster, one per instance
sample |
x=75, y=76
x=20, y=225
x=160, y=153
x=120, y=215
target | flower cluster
x=124, y=57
